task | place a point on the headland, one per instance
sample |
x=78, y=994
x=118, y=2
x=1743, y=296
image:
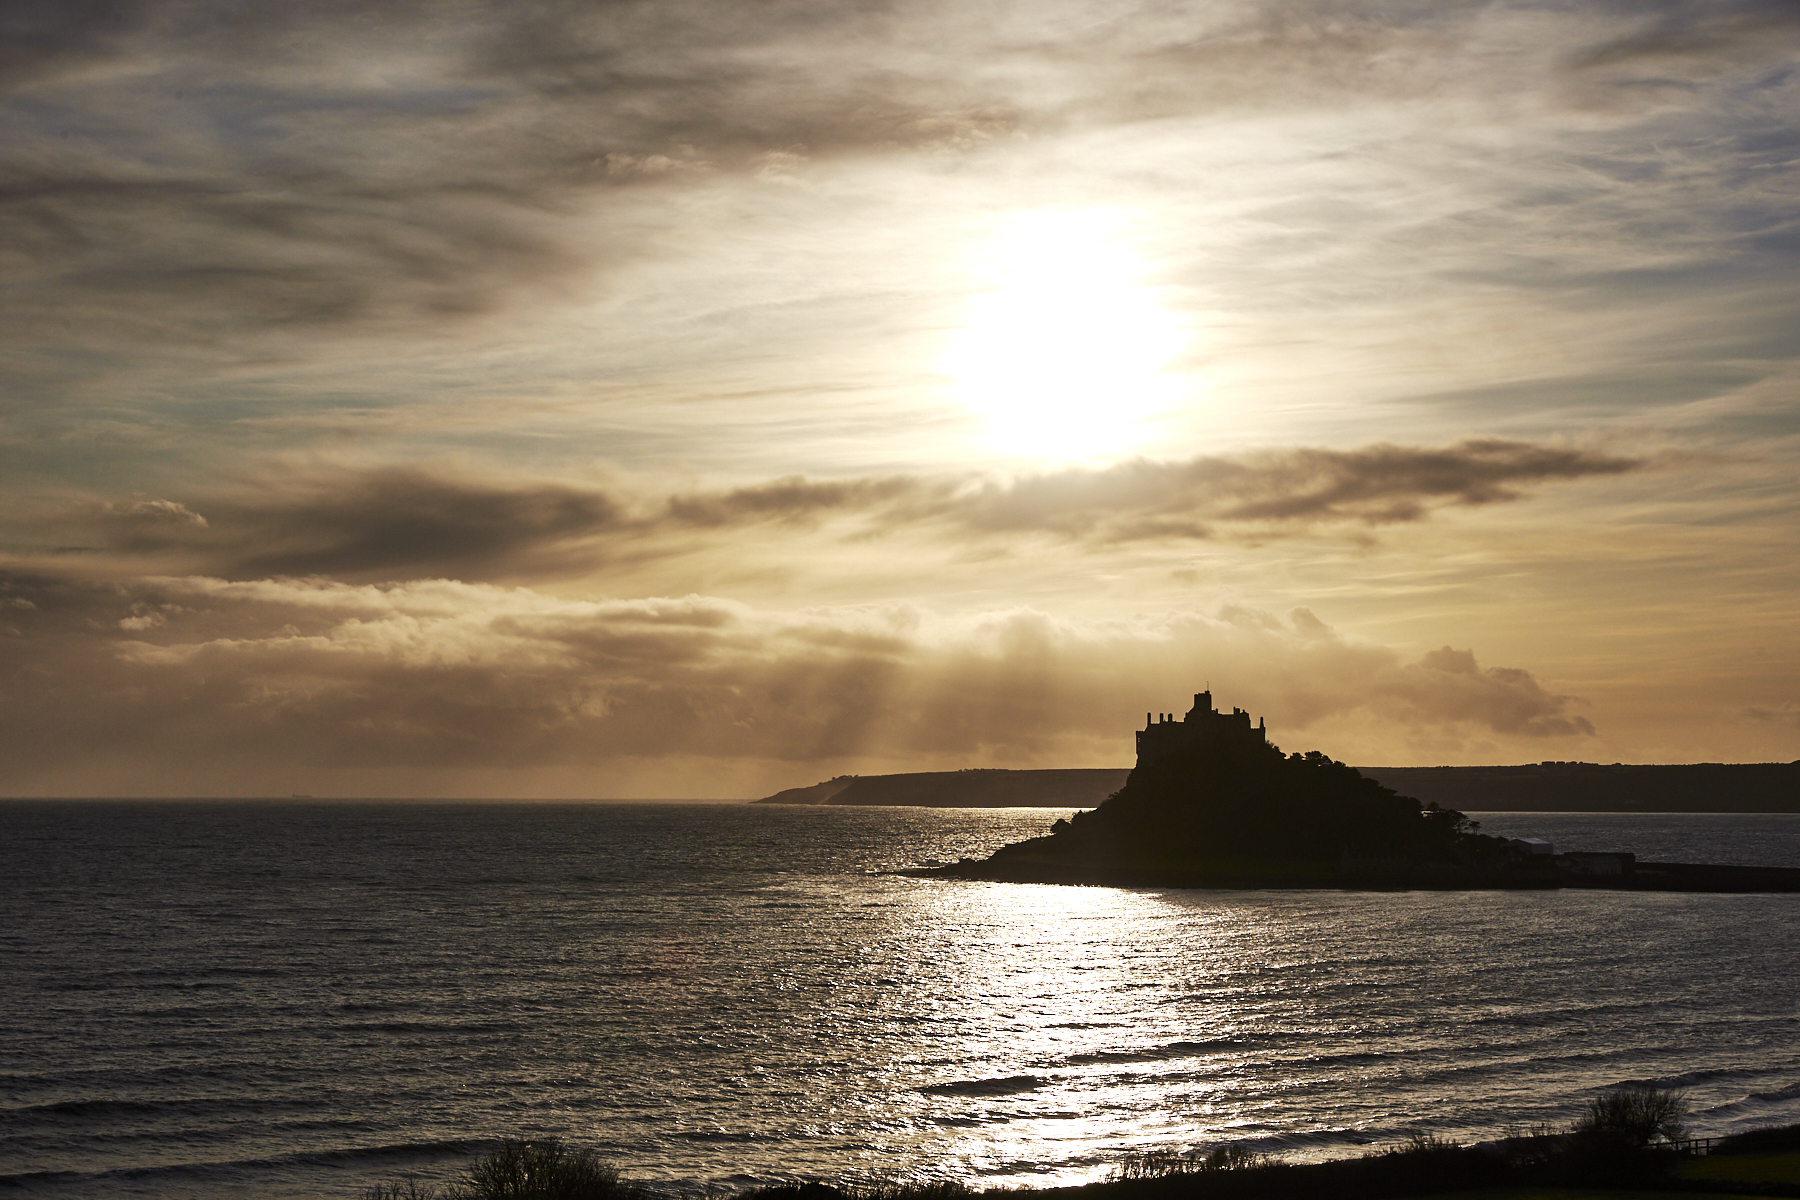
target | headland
x=1212, y=803
x=979, y=788
x=1526, y=787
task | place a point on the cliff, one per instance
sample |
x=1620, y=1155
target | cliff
x=818, y=793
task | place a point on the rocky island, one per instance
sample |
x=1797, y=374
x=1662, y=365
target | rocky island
x=1213, y=803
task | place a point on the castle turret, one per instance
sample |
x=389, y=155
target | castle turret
x=1162, y=734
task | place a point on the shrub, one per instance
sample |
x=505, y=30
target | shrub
x=407, y=1189
x=1611, y=1142
x=523, y=1170
x=1634, y=1115
x=542, y=1170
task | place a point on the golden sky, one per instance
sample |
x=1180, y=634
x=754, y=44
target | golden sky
x=682, y=399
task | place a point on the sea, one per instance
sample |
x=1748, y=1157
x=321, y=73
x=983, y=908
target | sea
x=307, y=999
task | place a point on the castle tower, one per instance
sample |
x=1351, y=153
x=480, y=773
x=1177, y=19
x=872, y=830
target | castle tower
x=1163, y=734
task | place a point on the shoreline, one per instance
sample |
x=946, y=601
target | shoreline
x=1646, y=877
x=1596, y=1157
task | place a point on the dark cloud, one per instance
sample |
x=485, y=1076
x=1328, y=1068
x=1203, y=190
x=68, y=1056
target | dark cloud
x=1143, y=499
x=413, y=523
x=39, y=39
x=402, y=523
x=387, y=524
x=1674, y=33
x=270, y=676
x=1382, y=484
x=794, y=499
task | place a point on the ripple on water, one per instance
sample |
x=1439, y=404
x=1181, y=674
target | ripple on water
x=296, y=1000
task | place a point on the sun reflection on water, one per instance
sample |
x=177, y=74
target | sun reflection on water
x=1061, y=1015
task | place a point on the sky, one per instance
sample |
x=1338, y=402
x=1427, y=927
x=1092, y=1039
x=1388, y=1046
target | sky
x=683, y=399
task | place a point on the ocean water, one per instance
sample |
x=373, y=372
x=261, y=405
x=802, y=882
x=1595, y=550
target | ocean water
x=299, y=1000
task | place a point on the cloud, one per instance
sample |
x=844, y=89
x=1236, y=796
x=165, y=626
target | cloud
x=1142, y=499
x=1782, y=715
x=277, y=675
x=192, y=174
x=1450, y=685
x=403, y=523
x=1695, y=36
x=1375, y=485
x=386, y=524
x=200, y=172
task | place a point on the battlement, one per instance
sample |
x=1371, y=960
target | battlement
x=1163, y=734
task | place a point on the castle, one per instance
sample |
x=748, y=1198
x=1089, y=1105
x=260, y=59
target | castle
x=1202, y=722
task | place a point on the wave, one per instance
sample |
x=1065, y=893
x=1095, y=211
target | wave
x=1689, y=1079
x=164, y=1176
x=1778, y=1100
x=91, y=1108
x=1004, y=1085
x=1163, y=1053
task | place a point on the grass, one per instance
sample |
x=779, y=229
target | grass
x=1547, y=1193
x=1778, y=1166
x=1160, y=1164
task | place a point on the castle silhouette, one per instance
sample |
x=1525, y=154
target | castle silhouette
x=1201, y=723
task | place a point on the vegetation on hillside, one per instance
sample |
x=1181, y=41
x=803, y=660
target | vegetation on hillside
x=1627, y=1139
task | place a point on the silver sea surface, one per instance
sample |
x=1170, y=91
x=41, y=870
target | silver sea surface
x=299, y=1000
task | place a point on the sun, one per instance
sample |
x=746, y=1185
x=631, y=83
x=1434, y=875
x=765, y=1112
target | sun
x=1064, y=354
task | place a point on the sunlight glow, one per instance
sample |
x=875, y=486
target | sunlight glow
x=1064, y=355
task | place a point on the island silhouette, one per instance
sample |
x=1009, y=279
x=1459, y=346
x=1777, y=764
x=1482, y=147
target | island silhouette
x=1213, y=803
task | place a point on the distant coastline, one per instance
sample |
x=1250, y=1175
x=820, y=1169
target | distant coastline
x=1593, y=787
x=981, y=788
x=1536, y=787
